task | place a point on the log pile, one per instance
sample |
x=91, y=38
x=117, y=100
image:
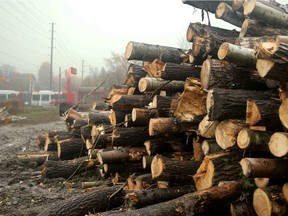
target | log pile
x=190, y=131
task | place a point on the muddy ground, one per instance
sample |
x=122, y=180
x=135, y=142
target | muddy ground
x=22, y=190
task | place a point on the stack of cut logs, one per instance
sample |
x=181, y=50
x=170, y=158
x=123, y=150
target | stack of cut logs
x=199, y=131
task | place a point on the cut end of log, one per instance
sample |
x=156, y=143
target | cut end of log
x=220, y=11
x=243, y=139
x=156, y=166
x=253, y=114
x=244, y=28
x=205, y=73
x=189, y=34
x=142, y=84
x=263, y=66
x=261, y=202
x=128, y=50
x=237, y=5
x=205, y=147
x=223, y=50
x=285, y=191
x=246, y=168
x=99, y=157
x=261, y=182
x=278, y=144
x=249, y=7
x=283, y=113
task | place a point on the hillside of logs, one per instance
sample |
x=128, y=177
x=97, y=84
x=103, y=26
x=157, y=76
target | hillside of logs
x=190, y=132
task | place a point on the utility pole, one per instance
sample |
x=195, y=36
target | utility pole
x=82, y=71
x=51, y=57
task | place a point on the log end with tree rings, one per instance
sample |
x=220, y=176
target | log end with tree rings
x=223, y=50
x=285, y=191
x=128, y=50
x=221, y=9
x=142, y=85
x=243, y=139
x=246, y=168
x=237, y=5
x=261, y=182
x=248, y=7
x=278, y=144
x=283, y=113
x=156, y=167
x=244, y=28
x=261, y=202
x=205, y=73
x=263, y=67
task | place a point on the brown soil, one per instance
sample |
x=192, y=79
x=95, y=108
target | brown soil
x=22, y=190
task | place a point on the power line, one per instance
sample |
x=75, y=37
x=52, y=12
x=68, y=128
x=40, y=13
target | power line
x=16, y=58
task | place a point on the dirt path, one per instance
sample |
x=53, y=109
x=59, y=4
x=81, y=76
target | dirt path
x=22, y=190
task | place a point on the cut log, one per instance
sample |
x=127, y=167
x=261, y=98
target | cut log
x=226, y=13
x=264, y=167
x=283, y=113
x=146, y=162
x=157, y=146
x=162, y=104
x=128, y=121
x=139, y=199
x=163, y=167
x=99, y=118
x=86, y=132
x=254, y=140
x=130, y=136
x=217, y=167
x=226, y=132
x=237, y=5
x=141, y=116
x=36, y=159
x=251, y=42
x=117, y=117
x=197, y=202
x=269, y=201
x=102, y=141
x=95, y=201
x=141, y=182
x=134, y=73
x=278, y=144
x=255, y=29
x=210, y=6
x=154, y=69
x=210, y=147
x=283, y=91
x=147, y=84
x=285, y=191
x=118, y=90
x=149, y=52
x=263, y=112
x=271, y=70
x=220, y=74
x=207, y=128
x=65, y=169
x=242, y=208
x=243, y=57
x=191, y=105
x=128, y=168
x=78, y=123
x=267, y=14
x=198, y=154
x=121, y=155
x=40, y=141
x=71, y=148
x=231, y=104
x=51, y=143
x=126, y=103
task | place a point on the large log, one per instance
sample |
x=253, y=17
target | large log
x=191, y=105
x=226, y=13
x=147, y=84
x=149, y=52
x=269, y=201
x=141, y=116
x=278, y=144
x=221, y=74
x=231, y=104
x=117, y=117
x=264, y=167
x=128, y=102
x=67, y=168
x=271, y=70
x=283, y=114
x=71, y=148
x=192, y=203
x=99, y=118
x=226, y=132
x=141, y=199
x=272, y=16
x=94, y=201
x=217, y=167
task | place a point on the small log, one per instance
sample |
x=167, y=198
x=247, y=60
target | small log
x=197, y=202
x=226, y=132
x=162, y=166
x=71, y=148
x=139, y=199
x=121, y=155
x=149, y=52
x=231, y=104
x=278, y=144
x=253, y=140
x=207, y=128
x=85, y=185
x=134, y=136
x=128, y=168
x=269, y=201
x=118, y=90
x=191, y=105
x=146, y=162
x=251, y=42
x=283, y=114
x=264, y=167
x=78, y=123
x=242, y=208
x=226, y=13
x=217, y=167
x=243, y=57
x=95, y=201
x=198, y=154
x=117, y=117
x=157, y=146
x=272, y=16
x=141, y=116
x=128, y=122
x=99, y=118
x=67, y=168
x=283, y=92
x=285, y=191
x=210, y=147
x=126, y=103
x=147, y=84
x=102, y=141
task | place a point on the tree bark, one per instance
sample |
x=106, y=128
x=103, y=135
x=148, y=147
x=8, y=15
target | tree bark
x=149, y=52
x=134, y=74
x=271, y=70
x=86, y=132
x=226, y=13
x=141, y=116
x=269, y=201
x=128, y=167
x=231, y=104
x=210, y=147
x=95, y=201
x=226, y=132
x=71, y=148
x=141, y=182
x=117, y=117
x=283, y=114
x=217, y=167
x=126, y=103
x=157, y=146
x=251, y=42
x=273, y=51
x=242, y=208
x=99, y=118
x=40, y=141
x=139, y=199
x=191, y=105
x=147, y=84
x=162, y=104
x=278, y=144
